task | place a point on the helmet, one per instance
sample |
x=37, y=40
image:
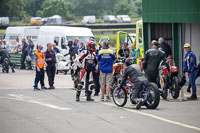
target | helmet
x=70, y=43
x=91, y=46
x=187, y=45
x=129, y=61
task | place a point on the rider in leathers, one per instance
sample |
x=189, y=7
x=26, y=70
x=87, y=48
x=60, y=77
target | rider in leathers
x=134, y=72
x=152, y=60
x=88, y=66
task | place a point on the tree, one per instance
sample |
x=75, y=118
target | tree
x=32, y=6
x=122, y=7
x=56, y=7
x=12, y=8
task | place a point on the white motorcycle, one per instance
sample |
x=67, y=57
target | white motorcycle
x=75, y=71
x=63, y=63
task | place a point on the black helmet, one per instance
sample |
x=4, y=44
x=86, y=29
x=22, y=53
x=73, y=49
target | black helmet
x=70, y=43
x=129, y=61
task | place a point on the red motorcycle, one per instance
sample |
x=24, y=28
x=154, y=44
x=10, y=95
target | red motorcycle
x=168, y=79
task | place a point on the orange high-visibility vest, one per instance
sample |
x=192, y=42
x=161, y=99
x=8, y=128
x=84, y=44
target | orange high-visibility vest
x=40, y=59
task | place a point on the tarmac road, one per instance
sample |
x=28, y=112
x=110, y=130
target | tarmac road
x=23, y=110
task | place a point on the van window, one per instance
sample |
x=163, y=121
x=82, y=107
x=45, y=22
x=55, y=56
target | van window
x=140, y=35
x=63, y=43
x=56, y=40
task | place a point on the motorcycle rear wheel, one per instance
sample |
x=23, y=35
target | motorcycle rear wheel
x=154, y=99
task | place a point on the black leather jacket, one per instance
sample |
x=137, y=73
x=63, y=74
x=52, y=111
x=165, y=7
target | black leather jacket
x=152, y=59
x=135, y=74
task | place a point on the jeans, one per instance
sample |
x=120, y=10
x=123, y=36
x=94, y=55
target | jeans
x=51, y=70
x=192, y=79
x=39, y=77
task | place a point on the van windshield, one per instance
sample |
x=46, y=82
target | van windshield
x=82, y=39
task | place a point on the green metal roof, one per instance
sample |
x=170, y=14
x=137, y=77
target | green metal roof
x=171, y=11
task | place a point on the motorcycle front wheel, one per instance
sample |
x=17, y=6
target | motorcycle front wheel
x=175, y=87
x=119, y=96
x=154, y=96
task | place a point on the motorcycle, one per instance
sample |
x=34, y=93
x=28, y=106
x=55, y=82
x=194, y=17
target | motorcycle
x=149, y=94
x=116, y=78
x=5, y=61
x=169, y=81
x=64, y=63
x=75, y=71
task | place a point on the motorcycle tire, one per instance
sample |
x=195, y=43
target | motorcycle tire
x=116, y=95
x=175, y=87
x=164, y=94
x=156, y=99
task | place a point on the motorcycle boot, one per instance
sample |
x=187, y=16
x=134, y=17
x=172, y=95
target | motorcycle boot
x=89, y=96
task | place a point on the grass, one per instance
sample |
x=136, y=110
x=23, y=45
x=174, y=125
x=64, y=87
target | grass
x=2, y=31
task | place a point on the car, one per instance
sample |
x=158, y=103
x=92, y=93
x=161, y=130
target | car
x=110, y=19
x=123, y=19
x=36, y=21
x=89, y=20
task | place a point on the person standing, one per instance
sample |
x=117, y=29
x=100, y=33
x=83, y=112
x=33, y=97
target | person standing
x=7, y=46
x=39, y=60
x=55, y=48
x=152, y=59
x=105, y=60
x=190, y=66
x=24, y=53
x=97, y=73
x=124, y=52
x=30, y=54
x=165, y=47
x=76, y=46
x=88, y=66
x=17, y=48
x=50, y=58
x=134, y=53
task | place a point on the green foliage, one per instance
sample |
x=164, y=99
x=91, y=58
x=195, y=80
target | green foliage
x=55, y=7
x=112, y=38
x=122, y=7
x=22, y=10
x=12, y=8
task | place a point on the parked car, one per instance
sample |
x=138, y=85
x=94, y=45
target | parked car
x=110, y=19
x=123, y=19
x=36, y=21
x=89, y=20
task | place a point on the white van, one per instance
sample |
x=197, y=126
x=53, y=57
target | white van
x=28, y=32
x=61, y=35
x=89, y=20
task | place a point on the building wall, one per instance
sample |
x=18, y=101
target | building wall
x=171, y=11
x=192, y=36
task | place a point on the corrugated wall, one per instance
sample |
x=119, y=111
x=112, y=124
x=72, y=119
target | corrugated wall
x=171, y=11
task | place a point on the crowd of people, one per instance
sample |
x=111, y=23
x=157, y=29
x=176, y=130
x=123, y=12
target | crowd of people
x=96, y=64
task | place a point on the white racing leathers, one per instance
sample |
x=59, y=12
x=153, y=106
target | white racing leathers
x=88, y=66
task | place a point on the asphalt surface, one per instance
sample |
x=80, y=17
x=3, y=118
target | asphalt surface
x=23, y=110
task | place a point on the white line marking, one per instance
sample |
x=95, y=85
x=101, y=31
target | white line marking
x=23, y=98
x=153, y=116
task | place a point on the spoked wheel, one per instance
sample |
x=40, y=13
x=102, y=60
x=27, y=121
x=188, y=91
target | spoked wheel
x=153, y=99
x=119, y=96
x=175, y=87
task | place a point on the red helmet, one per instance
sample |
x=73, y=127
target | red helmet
x=91, y=46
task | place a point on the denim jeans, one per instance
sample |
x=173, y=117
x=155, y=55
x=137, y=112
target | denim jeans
x=39, y=77
x=192, y=79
